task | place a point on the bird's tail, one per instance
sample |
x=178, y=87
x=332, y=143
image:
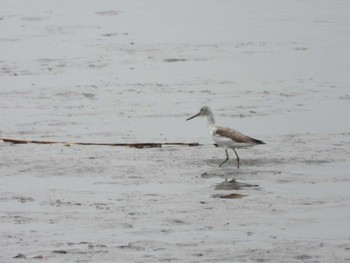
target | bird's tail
x=257, y=141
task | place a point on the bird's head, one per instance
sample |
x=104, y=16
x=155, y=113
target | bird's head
x=204, y=111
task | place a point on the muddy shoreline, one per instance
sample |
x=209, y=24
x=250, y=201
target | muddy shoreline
x=133, y=72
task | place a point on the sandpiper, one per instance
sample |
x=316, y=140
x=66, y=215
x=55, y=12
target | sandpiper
x=226, y=137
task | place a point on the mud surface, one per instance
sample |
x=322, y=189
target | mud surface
x=120, y=72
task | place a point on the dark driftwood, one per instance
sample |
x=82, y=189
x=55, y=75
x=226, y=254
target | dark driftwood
x=133, y=145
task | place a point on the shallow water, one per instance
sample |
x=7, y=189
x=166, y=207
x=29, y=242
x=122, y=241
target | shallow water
x=133, y=72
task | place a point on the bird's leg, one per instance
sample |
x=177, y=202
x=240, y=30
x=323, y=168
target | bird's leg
x=224, y=161
x=237, y=158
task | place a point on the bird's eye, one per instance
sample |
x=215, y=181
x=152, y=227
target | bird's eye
x=201, y=110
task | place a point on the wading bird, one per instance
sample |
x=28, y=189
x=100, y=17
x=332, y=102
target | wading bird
x=226, y=137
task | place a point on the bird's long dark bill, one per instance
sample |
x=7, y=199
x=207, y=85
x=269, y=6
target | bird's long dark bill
x=194, y=116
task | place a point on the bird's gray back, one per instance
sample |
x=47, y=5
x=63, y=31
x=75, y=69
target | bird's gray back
x=235, y=135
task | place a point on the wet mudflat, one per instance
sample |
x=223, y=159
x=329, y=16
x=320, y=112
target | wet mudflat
x=122, y=72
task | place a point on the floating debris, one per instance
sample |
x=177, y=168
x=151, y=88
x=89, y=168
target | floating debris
x=132, y=145
x=59, y=251
x=229, y=196
x=175, y=60
x=19, y=255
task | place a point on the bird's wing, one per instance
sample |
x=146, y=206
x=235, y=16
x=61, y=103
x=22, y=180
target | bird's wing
x=235, y=135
